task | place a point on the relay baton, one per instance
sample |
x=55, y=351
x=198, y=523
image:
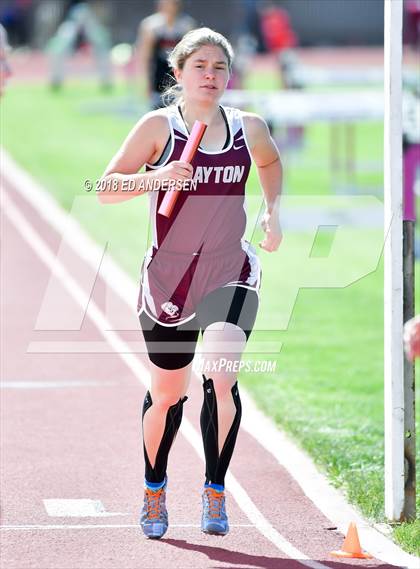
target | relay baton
x=187, y=155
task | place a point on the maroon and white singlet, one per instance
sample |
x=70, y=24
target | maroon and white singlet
x=200, y=248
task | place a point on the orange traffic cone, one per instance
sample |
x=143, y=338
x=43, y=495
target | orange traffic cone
x=351, y=546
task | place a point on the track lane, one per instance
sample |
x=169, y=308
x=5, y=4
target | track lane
x=90, y=397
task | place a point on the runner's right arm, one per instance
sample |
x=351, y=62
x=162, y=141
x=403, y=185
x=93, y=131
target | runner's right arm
x=143, y=145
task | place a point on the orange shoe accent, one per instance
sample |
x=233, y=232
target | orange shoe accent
x=351, y=546
x=215, y=502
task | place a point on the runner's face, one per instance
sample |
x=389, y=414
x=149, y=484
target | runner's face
x=205, y=74
x=5, y=71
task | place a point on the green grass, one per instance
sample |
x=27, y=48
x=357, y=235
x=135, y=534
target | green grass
x=327, y=390
x=57, y=142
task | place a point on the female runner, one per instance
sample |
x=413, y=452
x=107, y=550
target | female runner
x=199, y=274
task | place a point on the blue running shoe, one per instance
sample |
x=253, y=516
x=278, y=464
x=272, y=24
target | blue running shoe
x=214, y=519
x=154, y=516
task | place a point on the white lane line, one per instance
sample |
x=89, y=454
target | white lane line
x=54, y=384
x=141, y=373
x=330, y=501
x=134, y=347
x=104, y=526
x=81, y=347
x=78, y=508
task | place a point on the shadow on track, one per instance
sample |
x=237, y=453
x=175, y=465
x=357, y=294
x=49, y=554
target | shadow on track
x=239, y=560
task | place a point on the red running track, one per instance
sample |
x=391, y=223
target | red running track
x=71, y=430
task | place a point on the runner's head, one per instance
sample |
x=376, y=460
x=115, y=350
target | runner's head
x=5, y=71
x=201, y=63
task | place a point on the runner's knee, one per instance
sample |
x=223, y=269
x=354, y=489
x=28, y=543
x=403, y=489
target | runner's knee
x=223, y=383
x=164, y=400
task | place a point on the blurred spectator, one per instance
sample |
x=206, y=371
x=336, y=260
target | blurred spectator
x=5, y=71
x=47, y=16
x=15, y=15
x=247, y=40
x=252, y=24
x=80, y=29
x=412, y=23
x=279, y=40
x=279, y=37
x=276, y=29
x=158, y=34
x=412, y=338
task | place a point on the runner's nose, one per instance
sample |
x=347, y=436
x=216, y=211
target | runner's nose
x=209, y=74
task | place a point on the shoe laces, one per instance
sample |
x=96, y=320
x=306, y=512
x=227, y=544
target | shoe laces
x=215, y=502
x=153, y=501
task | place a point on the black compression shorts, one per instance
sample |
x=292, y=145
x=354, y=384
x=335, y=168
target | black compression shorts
x=173, y=347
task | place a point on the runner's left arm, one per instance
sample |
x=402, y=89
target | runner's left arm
x=270, y=172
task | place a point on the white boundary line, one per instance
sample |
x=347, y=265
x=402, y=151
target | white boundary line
x=101, y=526
x=55, y=384
x=300, y=466
x=328, y=500
x=244, y=502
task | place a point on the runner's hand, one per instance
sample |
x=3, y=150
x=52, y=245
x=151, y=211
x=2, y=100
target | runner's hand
x=273, y=234
x=176, y=170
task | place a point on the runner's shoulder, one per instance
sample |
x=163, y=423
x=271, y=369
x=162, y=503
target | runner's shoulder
x=156, y=121
x=253, y=122
x=255, y=126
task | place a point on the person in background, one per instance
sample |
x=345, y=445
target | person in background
x=16, y=19
x=412, y=338
x=280, y=40
x=5, y=70
x=277, y=32
x=411, y=28
x=411, y=165
x=158, y=34
x=80, y=27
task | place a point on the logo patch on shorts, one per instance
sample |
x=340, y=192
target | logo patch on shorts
x=170, y=309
